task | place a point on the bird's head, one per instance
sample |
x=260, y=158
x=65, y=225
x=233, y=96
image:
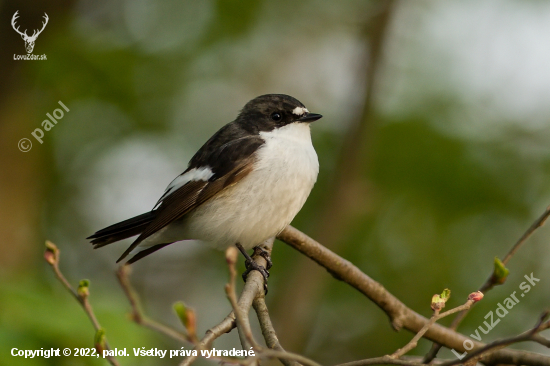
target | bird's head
x=270, y=111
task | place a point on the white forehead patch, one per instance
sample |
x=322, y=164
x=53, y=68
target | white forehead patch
x=300, y=111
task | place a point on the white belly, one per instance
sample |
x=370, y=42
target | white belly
x=264, y=202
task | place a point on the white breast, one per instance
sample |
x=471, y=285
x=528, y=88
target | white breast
x=264, y=202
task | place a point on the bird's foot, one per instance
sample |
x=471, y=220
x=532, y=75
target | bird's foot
x=265, y=254
x=251, y=265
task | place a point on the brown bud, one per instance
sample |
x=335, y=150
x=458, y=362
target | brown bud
x=191, y=323
x=231, y=255
x=437, y=302
x=188, y=318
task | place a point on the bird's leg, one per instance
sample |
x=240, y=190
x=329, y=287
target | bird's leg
x=251, y=265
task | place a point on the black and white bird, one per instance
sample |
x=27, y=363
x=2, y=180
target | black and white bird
x=242, y=187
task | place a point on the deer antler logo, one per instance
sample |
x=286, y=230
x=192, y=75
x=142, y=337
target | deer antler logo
x=29, y=41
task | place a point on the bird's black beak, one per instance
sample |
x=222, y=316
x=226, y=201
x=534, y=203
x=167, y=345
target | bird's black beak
x=310, y=117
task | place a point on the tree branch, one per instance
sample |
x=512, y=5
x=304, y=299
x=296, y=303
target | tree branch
x=225, y=326
x=438, y=303
x=491, y=282
x=435, y=317
x=400, y=315
x=530, y=335
x=137, y=314
x=51, y=255
x=254, y=288
x=268, y=331
x=241, y=313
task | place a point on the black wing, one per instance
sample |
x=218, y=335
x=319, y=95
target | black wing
x=230, y=162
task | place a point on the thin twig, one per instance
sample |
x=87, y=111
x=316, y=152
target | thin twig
x=435, y=317
x=270, y=336
x=493, y=346
x=400, y=315
x=253, y=288
x=414, y=341
x=541, y=340
x=384, y=360
x=490, y=282
x=137, y=314
x=243, y=324
x=530, y=335
x=225, y=326
x=387, y=360
x=270, y=353
x=51, y=255
x=538, y=223
x=262, y=312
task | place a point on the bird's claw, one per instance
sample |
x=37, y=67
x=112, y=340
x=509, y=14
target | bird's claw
x=265, y=254
x=253, y=266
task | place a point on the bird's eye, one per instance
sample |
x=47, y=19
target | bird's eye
x=276, y=116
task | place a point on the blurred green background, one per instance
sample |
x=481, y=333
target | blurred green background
x=433, y=148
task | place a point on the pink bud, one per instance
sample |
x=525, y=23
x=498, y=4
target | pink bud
x=49, y=256
x=475, y=296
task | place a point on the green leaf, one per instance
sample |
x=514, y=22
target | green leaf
x=438, y=301
x=99, y=340
x=188, y=318
x=500, y=273
x=181, y=312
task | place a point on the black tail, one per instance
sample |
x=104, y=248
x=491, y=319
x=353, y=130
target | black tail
x=143, y=253
x=122, y=230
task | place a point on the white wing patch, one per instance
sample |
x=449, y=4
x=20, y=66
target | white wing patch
x=300, y=111
x=194, y=174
